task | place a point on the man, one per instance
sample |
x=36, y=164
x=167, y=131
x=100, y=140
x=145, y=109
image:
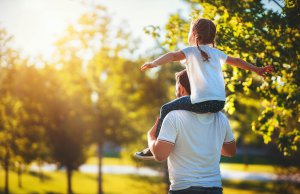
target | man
x=193, y=144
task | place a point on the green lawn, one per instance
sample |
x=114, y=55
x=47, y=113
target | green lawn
x=125, y=184
x=84, y=183
x=249, y=168
x=111, y=161
x=256, y=187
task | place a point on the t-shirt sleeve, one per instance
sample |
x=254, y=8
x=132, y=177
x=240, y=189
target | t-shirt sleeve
x=168, y=130
x=229, y=137
x=223, y=57
x=188, y=53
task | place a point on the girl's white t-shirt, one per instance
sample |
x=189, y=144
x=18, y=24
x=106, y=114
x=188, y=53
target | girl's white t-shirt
x=206, y=77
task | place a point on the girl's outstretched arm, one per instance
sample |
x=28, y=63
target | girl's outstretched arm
x=166, y=58
x=237, y=62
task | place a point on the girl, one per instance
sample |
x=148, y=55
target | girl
x=203, y=63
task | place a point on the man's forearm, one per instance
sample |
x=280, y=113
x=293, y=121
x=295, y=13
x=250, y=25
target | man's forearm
x=229, y=149
x=160, y=149
x=151, y=142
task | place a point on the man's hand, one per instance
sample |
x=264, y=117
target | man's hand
x=152, y=131
x=148, y=65
x=262, y=71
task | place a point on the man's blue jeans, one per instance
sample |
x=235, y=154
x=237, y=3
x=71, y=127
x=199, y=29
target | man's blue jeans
x=199, y=190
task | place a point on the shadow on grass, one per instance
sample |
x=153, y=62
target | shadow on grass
x=37, y=175
x=156, y=182
x=263, y=187
x=90, y=176
x=46, y=192
x=152, y=180
x=145, y=184
x=51, y=192
x=149, y=179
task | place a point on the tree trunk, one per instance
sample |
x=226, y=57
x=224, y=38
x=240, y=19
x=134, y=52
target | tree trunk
x=20, y=175
x=69, y=179
x=100, y=187
x=41, y=174
x=6, y=168
x=246, y=157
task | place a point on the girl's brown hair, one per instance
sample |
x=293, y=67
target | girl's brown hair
x=205, y=31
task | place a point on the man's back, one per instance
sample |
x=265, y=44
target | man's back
x=198, y=140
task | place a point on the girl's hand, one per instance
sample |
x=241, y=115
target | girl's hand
x=262, y=71
x=148, y=65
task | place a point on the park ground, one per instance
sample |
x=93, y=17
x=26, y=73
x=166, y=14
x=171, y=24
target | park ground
x=55, y=182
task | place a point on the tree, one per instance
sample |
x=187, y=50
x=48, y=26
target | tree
x=102, y=74
x=10, y=111
x=11, y=108
x=66, y=112
x=32, y=130
x=119, y=90
x=27, y=132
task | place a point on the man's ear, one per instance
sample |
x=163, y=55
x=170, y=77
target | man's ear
x=182, y=91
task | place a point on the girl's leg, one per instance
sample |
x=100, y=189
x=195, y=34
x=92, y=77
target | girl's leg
x=184, y=103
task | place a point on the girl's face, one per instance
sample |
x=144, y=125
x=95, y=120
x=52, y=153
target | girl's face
x=191, y=36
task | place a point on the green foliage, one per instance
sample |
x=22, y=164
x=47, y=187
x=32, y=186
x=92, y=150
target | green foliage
x=87, y=93
x=11, y=111
x=21, y=131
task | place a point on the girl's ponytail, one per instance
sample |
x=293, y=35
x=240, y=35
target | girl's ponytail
x=203, y=54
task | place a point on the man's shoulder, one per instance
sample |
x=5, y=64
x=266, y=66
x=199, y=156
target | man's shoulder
x=177, y=116
x=186, y=112
x=180, y=113
x=187, y=115
x=221, y=115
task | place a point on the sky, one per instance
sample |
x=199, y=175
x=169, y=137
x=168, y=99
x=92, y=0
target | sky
x=36, y=24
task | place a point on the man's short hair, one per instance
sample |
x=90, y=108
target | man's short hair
x=183, y=79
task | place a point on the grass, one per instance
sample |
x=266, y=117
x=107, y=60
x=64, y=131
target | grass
x=249, y=168
x=124, y=184
x=84, y=183
x=256, y=187
x=56, y=182
x=111, y=161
